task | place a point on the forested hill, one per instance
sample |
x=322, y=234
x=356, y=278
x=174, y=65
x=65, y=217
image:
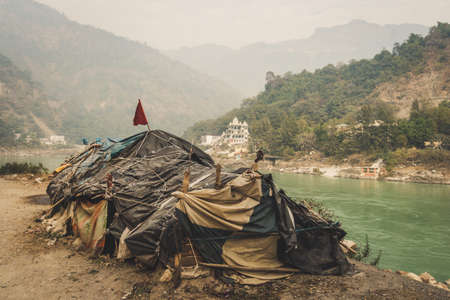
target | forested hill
x=301, y=111
x=244, y=68
x=24, y=108
x=97, y=77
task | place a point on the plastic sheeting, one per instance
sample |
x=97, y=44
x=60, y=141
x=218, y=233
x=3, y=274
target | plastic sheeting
x=134, y=184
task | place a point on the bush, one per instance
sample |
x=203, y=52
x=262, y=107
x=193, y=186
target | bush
x=319, y=207
x=22, y=168
x=364, y=253
x=405, y=156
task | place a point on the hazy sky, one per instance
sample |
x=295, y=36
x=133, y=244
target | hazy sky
x=168, y=24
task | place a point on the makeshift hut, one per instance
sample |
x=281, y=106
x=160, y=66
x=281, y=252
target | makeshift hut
x=148, y=195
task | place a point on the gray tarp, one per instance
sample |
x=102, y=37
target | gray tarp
x=146, y=170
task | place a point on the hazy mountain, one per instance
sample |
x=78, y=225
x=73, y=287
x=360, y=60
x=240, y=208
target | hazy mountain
x=24, y=107
x=97, y=77
x=294, y=108
x=245, y=68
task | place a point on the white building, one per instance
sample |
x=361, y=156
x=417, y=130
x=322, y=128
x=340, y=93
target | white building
x=57, y=140
x=236, y=133
x=45, y=141
x=208, y=140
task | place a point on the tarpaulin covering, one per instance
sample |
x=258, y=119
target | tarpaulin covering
x=89, y=223
x=135, y=184
x=241, y=225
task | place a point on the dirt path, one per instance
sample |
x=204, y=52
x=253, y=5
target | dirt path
x=31, y=269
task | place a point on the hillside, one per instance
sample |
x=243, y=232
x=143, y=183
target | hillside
x=244, y=68
x=300, y=112
x=97, y=77
x=24, y=107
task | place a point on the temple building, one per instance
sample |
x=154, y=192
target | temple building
x=236, y=133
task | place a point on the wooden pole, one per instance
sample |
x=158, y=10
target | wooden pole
x=218, y=179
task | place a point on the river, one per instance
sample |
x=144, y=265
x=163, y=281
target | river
x=409, y=222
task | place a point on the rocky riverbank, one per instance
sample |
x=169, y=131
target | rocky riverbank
x=418, y=173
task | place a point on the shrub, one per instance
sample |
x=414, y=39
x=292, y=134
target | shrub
x=364, y=253
x=22, y=168
x=319, y=207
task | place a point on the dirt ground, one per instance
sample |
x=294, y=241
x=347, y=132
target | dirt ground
x=32, y=268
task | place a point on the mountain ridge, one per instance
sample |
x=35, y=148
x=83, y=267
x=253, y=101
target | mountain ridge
x=24, y=105
x=244, y=68
x=94, y=77
x=408, y=89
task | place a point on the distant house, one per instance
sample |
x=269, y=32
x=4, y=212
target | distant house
x=373, y=171
x=53, y=140
x=57, y=140
x=45, y=141
x=370, y=172
x=208, y=140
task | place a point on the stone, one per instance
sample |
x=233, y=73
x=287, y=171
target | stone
x=51, y=242
x=399, y=272
x=426, y=277
x=166, y=276
x=413, y=276
x=77, y=244
x=359, y=275
x=440, y=285
x=349, y=244
x=447, y=282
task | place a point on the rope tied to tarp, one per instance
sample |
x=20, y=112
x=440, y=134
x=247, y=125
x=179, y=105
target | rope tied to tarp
x=258, y=235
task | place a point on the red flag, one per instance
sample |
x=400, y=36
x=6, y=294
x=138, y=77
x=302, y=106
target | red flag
x=139, y=115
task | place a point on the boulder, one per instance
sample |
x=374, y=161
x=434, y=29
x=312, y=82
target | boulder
x=166, y=276
x=447, y=282
x=427, y=278
x=77, y=244
x=440, y=285
x=413, y=276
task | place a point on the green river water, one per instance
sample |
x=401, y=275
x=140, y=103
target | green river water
x=409, y=222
